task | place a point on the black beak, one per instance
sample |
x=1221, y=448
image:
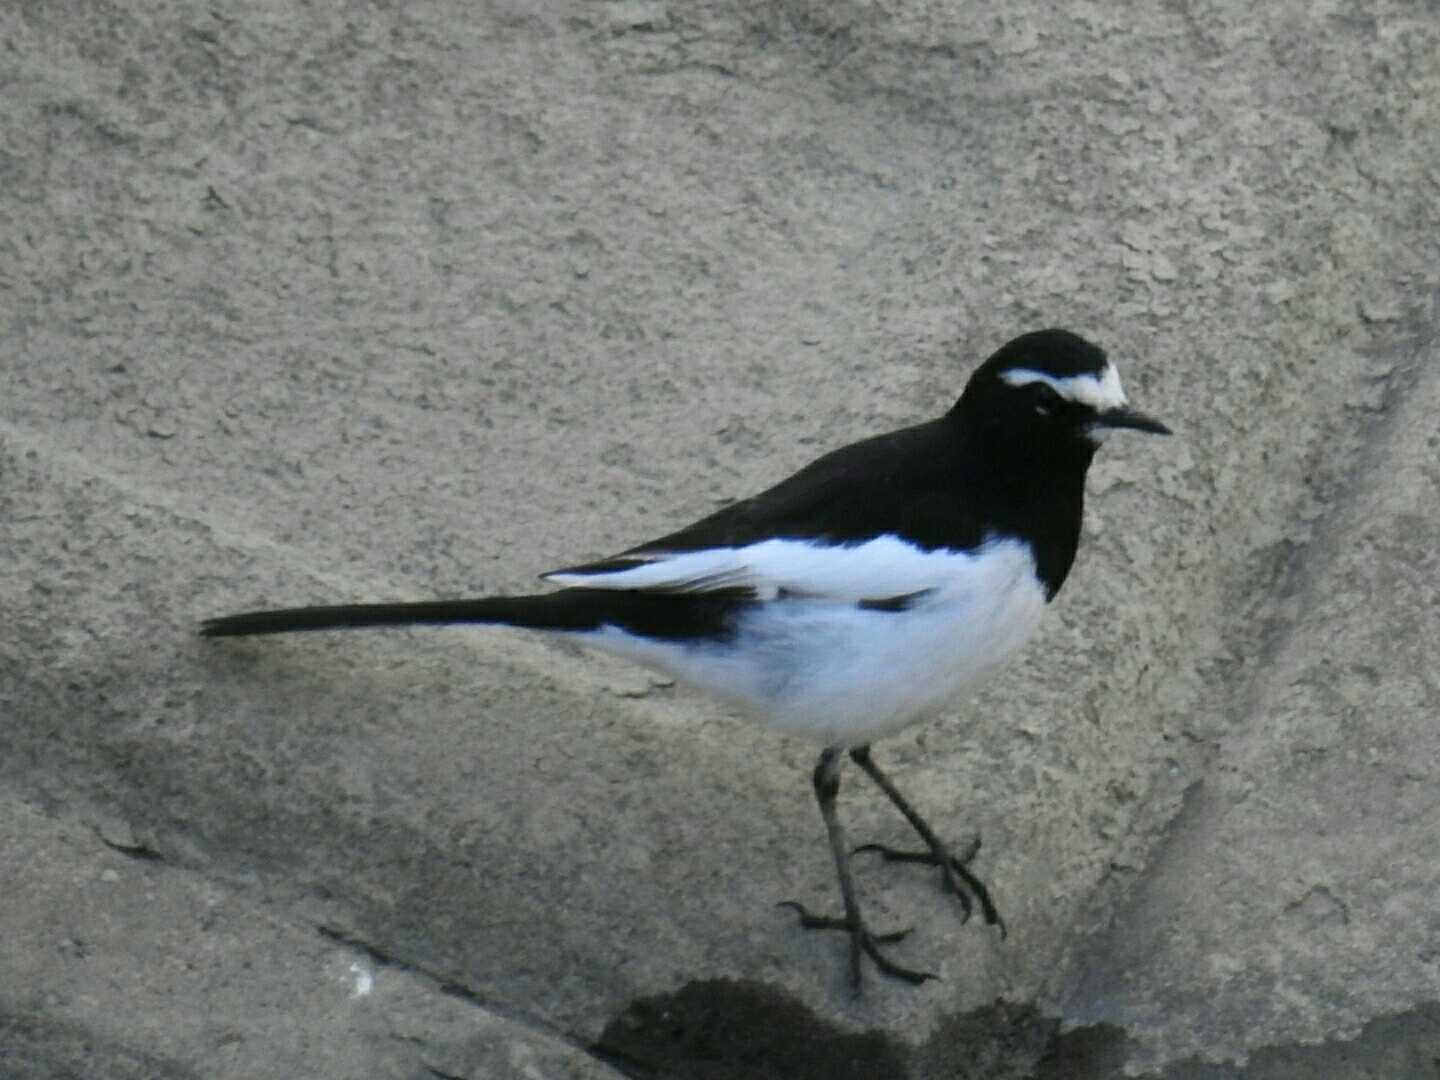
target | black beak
x=1124, y=417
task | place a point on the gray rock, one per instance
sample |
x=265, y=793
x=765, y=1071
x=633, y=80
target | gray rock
x=345, y=303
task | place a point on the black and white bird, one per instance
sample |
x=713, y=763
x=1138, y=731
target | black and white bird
x=855, y=597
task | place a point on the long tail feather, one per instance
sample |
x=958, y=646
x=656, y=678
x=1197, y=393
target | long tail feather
x=514, y=610
x=662, y=615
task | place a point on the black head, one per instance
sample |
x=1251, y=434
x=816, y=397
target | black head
x=1049, y=388
x=1028, y=425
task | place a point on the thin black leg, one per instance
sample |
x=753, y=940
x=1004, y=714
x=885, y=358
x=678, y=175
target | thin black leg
x=827, y=787
x=952, y=868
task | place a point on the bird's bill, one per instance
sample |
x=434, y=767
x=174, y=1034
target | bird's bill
x=1126, y=417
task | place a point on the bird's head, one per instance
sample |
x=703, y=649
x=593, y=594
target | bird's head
x=1050, y=388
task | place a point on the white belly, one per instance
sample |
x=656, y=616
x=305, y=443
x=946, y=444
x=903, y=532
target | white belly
x=844, y=675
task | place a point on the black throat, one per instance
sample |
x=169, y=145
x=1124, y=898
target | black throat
x=1028, y=485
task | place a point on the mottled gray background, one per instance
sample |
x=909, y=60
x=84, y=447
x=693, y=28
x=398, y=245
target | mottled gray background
x=321, y=302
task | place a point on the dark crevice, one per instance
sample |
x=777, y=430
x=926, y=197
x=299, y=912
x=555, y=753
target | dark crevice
x=450, y=988
x=377, y=956
x=464, y=993
x=139, y=851
x=384, y=958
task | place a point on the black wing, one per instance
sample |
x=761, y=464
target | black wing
x=907, y=483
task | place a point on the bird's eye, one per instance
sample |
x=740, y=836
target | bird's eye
x=1047, y=401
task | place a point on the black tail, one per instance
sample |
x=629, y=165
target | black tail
x=516, y=610
x=661, y=615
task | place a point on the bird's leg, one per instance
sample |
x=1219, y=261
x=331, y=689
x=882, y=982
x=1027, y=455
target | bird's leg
x=957, y=875
x=827, y=786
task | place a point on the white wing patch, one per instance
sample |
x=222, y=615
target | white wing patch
x=1099, y=392
x=877, y=569
x=844, y=673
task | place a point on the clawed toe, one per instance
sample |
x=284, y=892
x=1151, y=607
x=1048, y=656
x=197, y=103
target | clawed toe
x=955, y=873
x=861, y=940
x=811, y=921
x=890, y=854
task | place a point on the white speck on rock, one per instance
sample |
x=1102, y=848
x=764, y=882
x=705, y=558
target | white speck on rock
x=364, y=980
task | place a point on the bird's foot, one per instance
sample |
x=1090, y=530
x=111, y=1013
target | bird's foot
x=955, y=874
x=861, y=941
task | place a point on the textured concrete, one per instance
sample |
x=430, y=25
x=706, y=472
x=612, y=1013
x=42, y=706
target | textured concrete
x=1296, y=890
x=349, y=302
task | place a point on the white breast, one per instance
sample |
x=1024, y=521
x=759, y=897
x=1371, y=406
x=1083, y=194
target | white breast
x=822, y=667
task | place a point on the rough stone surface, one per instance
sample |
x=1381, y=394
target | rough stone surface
x=121, y=965
x=354, y=301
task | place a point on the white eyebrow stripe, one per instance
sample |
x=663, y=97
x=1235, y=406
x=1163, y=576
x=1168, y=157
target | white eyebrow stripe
x=1102, y=392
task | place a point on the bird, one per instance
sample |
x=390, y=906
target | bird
x=858, y=596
